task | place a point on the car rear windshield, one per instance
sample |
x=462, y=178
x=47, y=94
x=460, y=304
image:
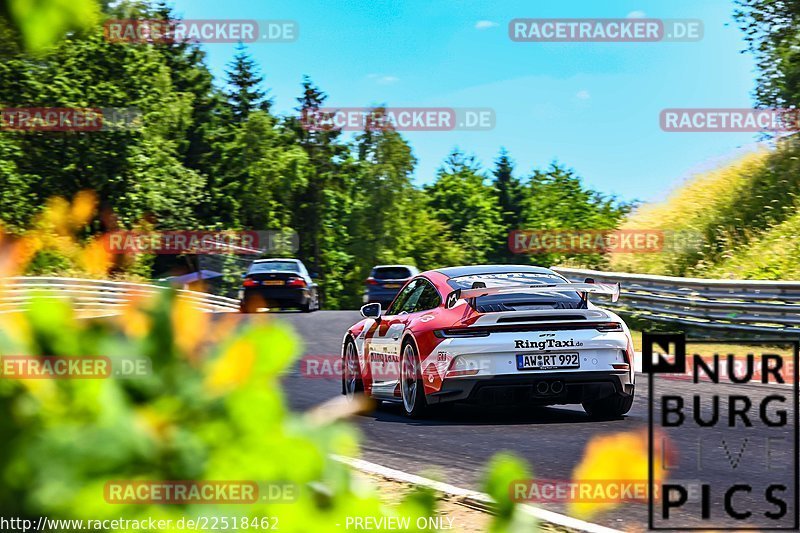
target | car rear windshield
x=391, y=273
x=274, y=266
x=520, y=301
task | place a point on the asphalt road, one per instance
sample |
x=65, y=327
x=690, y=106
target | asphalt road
x=454, y=446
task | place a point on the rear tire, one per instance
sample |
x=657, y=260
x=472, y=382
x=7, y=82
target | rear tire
x=247, y=307
x=613, y=406
x=312, y=304
x=352, y=383
x=411, y=388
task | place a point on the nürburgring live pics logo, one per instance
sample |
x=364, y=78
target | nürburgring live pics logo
x=734, y=423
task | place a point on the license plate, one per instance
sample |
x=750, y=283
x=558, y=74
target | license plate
x=547, y=361
x=391, y=286
x=273, y=282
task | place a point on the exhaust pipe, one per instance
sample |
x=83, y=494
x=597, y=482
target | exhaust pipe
x=542, y=387
x=557, y=387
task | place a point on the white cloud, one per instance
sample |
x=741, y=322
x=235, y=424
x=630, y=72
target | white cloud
x=583, y=94
x=383, y=79
x=485, y=24
x=636, y=15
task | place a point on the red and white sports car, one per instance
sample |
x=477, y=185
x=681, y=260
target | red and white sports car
x=492, y=334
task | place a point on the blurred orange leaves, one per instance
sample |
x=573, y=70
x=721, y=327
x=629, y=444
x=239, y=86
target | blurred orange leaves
x=619, y=457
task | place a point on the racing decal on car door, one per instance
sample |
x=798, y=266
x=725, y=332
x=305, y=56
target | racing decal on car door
x=383, y=352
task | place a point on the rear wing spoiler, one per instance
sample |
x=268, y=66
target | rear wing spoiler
x=476, y=292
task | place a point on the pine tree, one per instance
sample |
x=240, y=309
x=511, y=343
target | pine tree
x=510, y=195
x=245, y=80
x=315, y=204
x=509, y=190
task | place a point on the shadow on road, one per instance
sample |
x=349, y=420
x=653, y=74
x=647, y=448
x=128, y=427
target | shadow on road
x=479, y=416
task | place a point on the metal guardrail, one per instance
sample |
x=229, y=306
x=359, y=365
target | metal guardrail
x=98, y=297
x=742, y=305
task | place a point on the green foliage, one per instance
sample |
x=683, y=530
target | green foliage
x=207, y=411
x=246, y=94
x=510, y=197
x=555, y=199
x=16, y=197
x=503, y=470
x=42, y=22
x=739, y=220
x=462, y=199
x=217, y=417
x=49, y=263
x=772, y=30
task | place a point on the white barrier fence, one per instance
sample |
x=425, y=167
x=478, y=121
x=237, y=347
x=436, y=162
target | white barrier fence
x=758, y=306
x=93, y=297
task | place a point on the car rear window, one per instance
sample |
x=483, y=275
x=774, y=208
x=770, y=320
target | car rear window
x=274, y=266
x=391, y=273
x=496, y=302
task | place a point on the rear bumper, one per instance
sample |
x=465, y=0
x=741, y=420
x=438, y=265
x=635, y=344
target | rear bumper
x=276, y=296
x=546, y=388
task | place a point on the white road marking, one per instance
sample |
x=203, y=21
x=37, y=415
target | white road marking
x=466, y=494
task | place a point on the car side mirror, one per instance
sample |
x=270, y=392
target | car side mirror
x=314, y=275
x=371, y=310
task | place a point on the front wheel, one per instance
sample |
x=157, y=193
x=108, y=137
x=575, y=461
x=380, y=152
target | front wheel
x=613, y=406
x=411, y=388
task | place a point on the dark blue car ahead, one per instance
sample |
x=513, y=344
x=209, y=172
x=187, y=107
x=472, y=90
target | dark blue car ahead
x=385, y=281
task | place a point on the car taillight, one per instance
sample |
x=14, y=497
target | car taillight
x=609, y=326
x=250, y=282
x=630, y=353
x=371, y=281
x=295, y=282
x=461, y=332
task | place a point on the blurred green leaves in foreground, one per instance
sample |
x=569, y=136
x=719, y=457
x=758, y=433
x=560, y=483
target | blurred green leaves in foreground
x=211, y=409
x=41, y=23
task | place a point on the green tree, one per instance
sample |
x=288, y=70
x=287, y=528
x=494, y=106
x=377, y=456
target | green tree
x=556, y=199
x=262, y=176
x=246, y=94
x=772, y=30
x=382, y=188
x=16, y=198
x=321, y=204
x=461, y=198
x=510, y=196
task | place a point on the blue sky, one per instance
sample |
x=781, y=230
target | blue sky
x=592, y=106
